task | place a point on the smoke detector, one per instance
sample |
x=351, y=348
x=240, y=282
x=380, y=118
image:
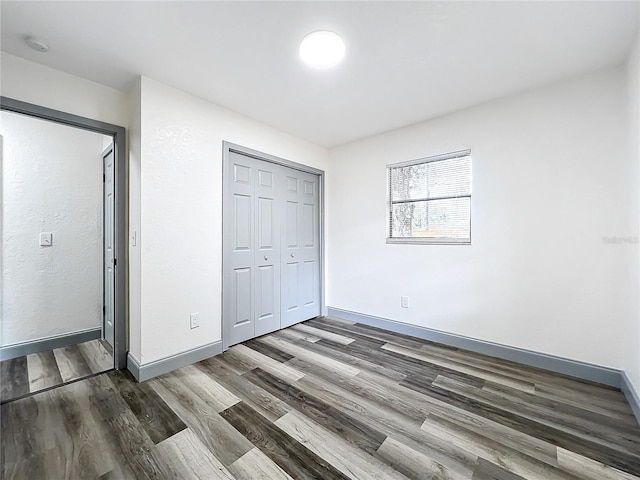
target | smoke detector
x=36, y=44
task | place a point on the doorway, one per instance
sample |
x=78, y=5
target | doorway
x=76, y=325
x=272, y=244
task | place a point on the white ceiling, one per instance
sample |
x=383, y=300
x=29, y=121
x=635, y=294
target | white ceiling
x=405, y=61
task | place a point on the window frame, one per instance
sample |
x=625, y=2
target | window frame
x=390, y=202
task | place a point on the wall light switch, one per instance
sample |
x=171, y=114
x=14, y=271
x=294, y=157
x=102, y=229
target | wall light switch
x=134, y=238
x=46, y=239
x=404, y=302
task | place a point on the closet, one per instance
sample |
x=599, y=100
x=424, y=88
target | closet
x=271, y=246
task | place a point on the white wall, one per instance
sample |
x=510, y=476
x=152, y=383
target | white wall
x=550, y=176
x=181, y=212
x=554, y=290
x=135, y=146
x=51, y=182
x=34, y=83
x=632, y=363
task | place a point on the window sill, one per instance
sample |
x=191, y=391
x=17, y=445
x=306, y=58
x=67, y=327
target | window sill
x=428, y=241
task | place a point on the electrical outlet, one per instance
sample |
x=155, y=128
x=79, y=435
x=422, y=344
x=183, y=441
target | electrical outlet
x=194, y=319
x=404, y=302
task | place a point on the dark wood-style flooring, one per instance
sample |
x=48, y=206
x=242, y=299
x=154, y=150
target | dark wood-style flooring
x=326, y=399
x=31, y=373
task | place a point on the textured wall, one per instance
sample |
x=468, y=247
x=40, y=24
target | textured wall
x=633, y=90
x=51, y=182
x=180, y=237
x=550, y=182
x=34, y=83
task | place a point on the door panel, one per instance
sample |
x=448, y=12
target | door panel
x=243, y=297
x=108, y=331
x=309, y=187
x=291, y=227
x=292, y=184
x=291, y=284
x=265, y=223
x=266, y=282
x=242, y=173
x=308, y=225
x=265, y=178
x=308, y=283
x=242, y=217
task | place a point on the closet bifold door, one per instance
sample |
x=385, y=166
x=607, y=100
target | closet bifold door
x=300, y=248
x=252, y=303
x=240, y=251
x=267, y=247
x=271, y=248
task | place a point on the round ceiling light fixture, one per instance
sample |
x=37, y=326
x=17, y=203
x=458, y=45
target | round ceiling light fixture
x=322, y=49
x=36, y=44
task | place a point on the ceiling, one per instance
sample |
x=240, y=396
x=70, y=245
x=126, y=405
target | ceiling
x=405, y=61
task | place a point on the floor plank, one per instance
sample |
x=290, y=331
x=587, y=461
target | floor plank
x=316, y=332
x=414, y=464
x=209, y=390
x=158, y=420
x=300, y=352
x=43, y=371
x=256, y=465
x=14, y=378
x=253, y=359
x=221, y=438
x=71, y=363
x=184, y=456
x=342, y=454
x=96, y=356
x=285, y=451
x=269, y=351
x=348, y=427
x=257, y=398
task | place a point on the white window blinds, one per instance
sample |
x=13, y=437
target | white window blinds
x=430, y=200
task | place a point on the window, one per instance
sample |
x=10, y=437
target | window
x=430, y=200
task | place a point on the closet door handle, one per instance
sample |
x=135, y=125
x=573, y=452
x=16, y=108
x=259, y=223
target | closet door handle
x=265, y=257
x=292, y=255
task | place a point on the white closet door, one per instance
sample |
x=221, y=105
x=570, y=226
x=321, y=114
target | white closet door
x=271, y=247
x=267, y=248
x=239, y=310
x=300, y=248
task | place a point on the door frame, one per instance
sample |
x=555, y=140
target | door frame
x=227, y=148
x=118, y=134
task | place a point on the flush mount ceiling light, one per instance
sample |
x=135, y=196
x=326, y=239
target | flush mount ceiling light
x=36, y=44
x=322, y=49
